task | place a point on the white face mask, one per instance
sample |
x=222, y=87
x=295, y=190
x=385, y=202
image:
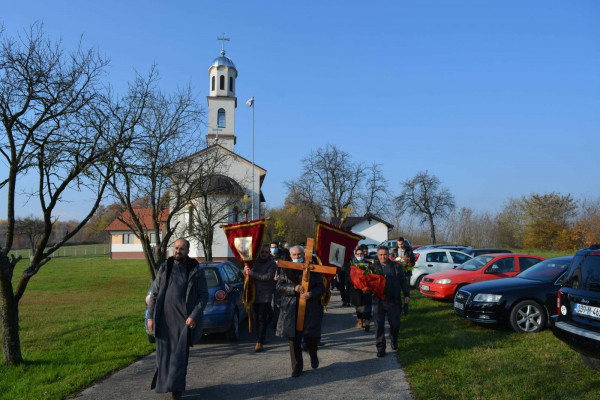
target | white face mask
x=299, y=260
x=359, y=258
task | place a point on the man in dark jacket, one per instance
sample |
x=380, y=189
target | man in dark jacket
x=179, y=295
x=263, y=272
x=277, y=254
x=395, y=285
x=289, y=286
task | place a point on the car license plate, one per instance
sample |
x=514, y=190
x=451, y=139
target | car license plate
x=425, y=287
x=458, y=305
x=589, y=311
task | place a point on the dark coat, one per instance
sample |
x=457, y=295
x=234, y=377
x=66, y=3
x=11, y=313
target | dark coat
x=395, y=282
x=196, y=296
x=286, y=325
x=263, y=272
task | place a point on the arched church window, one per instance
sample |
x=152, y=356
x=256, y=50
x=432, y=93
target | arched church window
x=221, y=118
x=213, y=83
x=231, y=84
x=222, y=82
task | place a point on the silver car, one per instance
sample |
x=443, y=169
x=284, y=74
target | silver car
x=433, y=260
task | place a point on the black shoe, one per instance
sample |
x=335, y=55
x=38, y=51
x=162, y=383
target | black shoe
x=394, y=346
x=176, y=395
x=314, y=363
x=381, y=353
x=296, y=373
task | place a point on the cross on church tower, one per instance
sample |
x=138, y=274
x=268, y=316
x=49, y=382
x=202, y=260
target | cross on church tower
x=223, y=39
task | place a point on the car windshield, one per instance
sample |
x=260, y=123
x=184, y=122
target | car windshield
x=475, y=263
x=546, y=271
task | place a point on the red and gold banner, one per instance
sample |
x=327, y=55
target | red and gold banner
x=244, y=240
x=334, y=246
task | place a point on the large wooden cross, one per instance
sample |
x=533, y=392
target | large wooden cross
x=306, y=267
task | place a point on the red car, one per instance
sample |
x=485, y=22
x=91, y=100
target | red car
x=445, y=284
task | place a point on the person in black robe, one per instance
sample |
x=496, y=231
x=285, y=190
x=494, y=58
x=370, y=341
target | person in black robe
x=179, y=296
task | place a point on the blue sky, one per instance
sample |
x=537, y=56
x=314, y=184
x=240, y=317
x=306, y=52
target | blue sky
x=497, y=98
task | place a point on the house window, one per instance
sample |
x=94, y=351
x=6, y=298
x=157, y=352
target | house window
x=152, y=237
x=221, y=118
x=128, y=238
x=231, y=84
x=222, y=82
x=213, y=83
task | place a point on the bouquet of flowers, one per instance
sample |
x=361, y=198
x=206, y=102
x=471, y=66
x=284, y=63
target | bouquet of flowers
x=364, y=277
x=405, y=263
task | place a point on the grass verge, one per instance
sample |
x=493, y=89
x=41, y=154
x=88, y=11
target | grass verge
x=81, y=318
x=448, y=357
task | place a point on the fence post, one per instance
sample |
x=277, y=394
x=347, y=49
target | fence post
x=75, y=251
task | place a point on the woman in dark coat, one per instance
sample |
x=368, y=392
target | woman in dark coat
x=289, y=286
x=362, y=302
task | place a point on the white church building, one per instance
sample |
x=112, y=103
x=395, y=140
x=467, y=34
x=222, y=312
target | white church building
x=235, y=173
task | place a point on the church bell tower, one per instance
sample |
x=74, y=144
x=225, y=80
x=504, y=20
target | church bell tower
x=222, y=101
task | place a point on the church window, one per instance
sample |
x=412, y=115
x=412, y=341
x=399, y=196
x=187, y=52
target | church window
x=213, y=83
x=231, y=84
x=222, y=82
x=221, y=118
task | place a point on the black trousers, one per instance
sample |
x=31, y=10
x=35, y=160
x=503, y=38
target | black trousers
x=261, y=312
x=312, y=343
x=381, y=309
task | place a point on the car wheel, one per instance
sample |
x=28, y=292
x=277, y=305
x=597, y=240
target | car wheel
x=528, y=317
x=418, y=281
x=591, y=362
x=233, y=334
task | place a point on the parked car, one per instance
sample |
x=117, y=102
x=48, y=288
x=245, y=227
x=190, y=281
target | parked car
x=577, y=322
x=428, y=261
x=525, y=301
x=479, y=252
x=444, y=285
x=224, y=309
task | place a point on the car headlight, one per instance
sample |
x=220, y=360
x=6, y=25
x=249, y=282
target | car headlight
x=444, y=281
x=487, y=297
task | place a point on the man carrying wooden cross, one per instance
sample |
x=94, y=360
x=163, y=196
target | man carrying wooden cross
x=301, y=286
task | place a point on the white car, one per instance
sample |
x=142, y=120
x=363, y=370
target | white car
x=433, y=260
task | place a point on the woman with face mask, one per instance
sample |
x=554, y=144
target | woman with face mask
x=362, y=301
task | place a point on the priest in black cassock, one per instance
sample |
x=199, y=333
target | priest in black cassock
x=179, y=295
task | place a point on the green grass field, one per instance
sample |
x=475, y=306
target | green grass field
x=448, y=357
x=81, y=318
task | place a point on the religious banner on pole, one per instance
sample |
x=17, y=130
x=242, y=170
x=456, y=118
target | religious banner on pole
x=244, y=239
x=334, y=247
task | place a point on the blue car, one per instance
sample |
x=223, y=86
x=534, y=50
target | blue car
x=224, y=309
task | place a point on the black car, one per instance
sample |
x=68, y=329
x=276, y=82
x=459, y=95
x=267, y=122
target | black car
x=479, y=252
x=577, y=322
x=524, y=301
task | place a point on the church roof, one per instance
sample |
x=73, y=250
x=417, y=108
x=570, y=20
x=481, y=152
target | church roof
x=223, y=61
x=349, y=222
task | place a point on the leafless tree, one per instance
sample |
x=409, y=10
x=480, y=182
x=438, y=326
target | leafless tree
x=215, y=200
x=376, y=196
x=49, y=102
x=150, y=167
x=30, y=228
x=329, y=178
x=423, y=196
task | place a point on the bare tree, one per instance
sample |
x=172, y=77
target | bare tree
x=376, y=197
x=329, y=178
x=31, y=228
x=150, y=168
x=48, y=103
x=423, y=196
x=215, y=199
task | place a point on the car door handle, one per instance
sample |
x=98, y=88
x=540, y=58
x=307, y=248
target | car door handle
x=430, y=265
